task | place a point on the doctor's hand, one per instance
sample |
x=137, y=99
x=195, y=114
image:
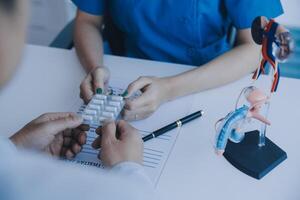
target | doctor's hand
x=154, y=93
x=119, y=143
x=59, y=134
x=95, y=82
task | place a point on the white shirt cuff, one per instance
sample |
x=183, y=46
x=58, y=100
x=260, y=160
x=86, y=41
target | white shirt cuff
x=133, y=170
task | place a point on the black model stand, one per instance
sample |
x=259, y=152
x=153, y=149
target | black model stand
x=251, y=159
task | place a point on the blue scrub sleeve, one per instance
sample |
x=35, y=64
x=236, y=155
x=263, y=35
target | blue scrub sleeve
x=93, y=7
x=243, y=12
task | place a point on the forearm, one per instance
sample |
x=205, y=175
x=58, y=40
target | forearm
x=229, y=67
x=67, y=181
x=89, y=45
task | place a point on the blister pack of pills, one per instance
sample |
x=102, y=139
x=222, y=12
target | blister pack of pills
x=101, y=108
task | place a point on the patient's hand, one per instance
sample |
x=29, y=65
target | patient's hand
x=59, y=134
x=119, y=143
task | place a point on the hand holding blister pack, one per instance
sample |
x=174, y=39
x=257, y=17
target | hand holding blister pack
x=108, y=106
x=102, y=108
x=105, y=107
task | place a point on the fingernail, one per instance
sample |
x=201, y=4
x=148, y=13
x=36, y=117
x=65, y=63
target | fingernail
x=99, y=91
x=125, y=93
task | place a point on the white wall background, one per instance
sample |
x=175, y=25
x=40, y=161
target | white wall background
x=48, y=17
x=291, y=17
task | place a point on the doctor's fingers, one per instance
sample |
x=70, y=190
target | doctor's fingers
x=71, y=150
x=79, y=136
x=97, y=142
x=46, y=117
x=54, y=148
x=126, y=131
x=72, y=146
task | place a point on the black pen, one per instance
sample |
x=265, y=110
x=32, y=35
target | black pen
x=176, y=124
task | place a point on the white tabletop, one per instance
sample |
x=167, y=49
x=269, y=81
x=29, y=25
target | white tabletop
x=48, y=80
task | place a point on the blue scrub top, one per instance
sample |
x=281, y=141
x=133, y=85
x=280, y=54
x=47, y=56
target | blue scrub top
x=184, y=31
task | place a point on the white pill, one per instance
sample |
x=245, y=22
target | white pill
x=97, y=101
x=115, y=104
x=111, y=109
x=109, y=115
x=87, y=117
x=94, y=107
x=116, y=98
x=102, y=119
x=90, y=112
x=100, y=96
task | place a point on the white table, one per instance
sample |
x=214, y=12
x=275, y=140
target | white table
x=48, y=80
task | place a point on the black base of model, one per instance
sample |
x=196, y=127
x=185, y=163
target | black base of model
x=251, y=159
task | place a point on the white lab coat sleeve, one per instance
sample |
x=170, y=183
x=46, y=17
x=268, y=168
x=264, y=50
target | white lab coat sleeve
x=132, y=170
x=29, y=176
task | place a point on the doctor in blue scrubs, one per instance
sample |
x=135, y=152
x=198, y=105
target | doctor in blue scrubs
x=190, y=32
